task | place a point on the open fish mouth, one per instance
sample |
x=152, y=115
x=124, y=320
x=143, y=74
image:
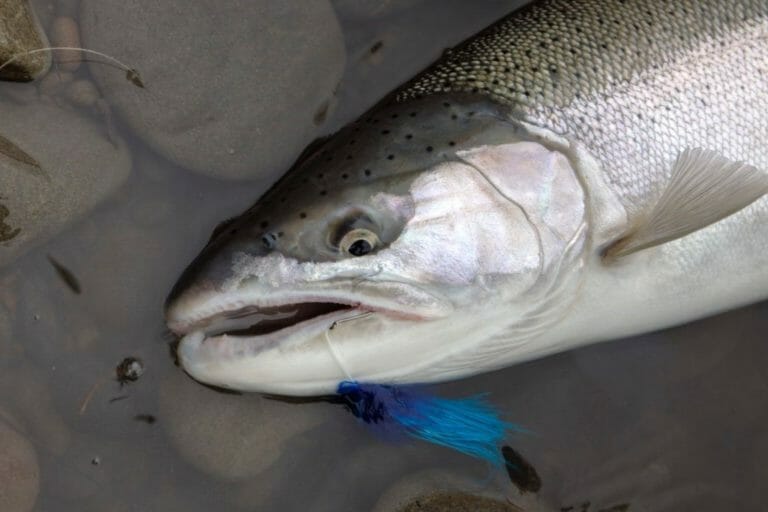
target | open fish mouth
x=254, y=321
x=269, y=322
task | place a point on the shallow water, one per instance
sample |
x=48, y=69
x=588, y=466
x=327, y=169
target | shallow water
x=673, y=420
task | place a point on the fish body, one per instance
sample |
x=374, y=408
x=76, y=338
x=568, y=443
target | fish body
x=534, y=190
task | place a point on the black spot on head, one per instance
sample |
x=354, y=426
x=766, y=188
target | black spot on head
x=390, y=157
x=385, y=132
x=344, y=176
x=429, y=149
x=303, y=215
x=446, y=104
x=451, y=143
x=323, y=192
x=454, y=116
x=394, y=116
x=320, y=176
x=349, y=157
x=367, y=172
x=264, y=224
x=413, y=114
x=408, y=136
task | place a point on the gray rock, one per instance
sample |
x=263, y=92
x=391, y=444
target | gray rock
x=232, y=89
x=45, y=10
x=20, y=32
x=389, y=41
x=231, y=437
x=24, y=392
x=443, y=491
x=19, y=471
x=7, y=343
x=55, y=165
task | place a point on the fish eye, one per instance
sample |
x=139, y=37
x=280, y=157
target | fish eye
x=359, y=242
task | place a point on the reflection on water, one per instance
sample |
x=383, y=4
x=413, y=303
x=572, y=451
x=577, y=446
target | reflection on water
x=668, y=421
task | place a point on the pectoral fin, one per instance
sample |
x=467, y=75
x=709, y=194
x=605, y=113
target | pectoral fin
x=704, y=188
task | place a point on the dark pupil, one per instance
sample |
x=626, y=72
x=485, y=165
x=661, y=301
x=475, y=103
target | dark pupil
x=360, y=247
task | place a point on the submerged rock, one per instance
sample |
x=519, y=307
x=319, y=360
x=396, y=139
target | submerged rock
x=66, y=34
x=442, y=491
x=19, y=471
x=55, y=166
x=20, y=32
x=231, y=437
x=457, y=502
x=25, y=393
x=231, y=89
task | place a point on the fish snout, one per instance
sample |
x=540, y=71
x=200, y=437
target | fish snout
x=201, y=284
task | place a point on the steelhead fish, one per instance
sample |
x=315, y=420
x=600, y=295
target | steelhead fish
x=580, y=171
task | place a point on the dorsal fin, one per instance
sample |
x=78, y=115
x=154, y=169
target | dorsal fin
x=704, y=188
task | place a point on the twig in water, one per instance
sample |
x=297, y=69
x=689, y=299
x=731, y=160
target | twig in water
x=131, y=74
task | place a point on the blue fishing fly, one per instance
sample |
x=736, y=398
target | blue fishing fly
x=469, y=425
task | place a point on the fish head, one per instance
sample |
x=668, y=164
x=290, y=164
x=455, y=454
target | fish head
x=388, y=254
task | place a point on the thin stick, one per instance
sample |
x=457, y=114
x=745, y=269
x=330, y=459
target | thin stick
x=90, y=395
x=131, y=74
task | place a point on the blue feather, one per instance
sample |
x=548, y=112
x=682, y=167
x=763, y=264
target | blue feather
x=469, y=425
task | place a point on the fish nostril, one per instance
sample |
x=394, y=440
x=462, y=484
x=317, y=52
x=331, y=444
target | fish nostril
x=269, y=241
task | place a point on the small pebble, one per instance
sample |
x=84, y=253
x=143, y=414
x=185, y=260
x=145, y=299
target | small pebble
x=520, y=471
x=129, y=370
x=65, y=32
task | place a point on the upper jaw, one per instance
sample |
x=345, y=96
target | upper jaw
x=214, y=312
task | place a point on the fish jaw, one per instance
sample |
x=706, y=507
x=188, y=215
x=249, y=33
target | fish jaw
x=307, y=313
x=298, y=359
x=312, y=358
